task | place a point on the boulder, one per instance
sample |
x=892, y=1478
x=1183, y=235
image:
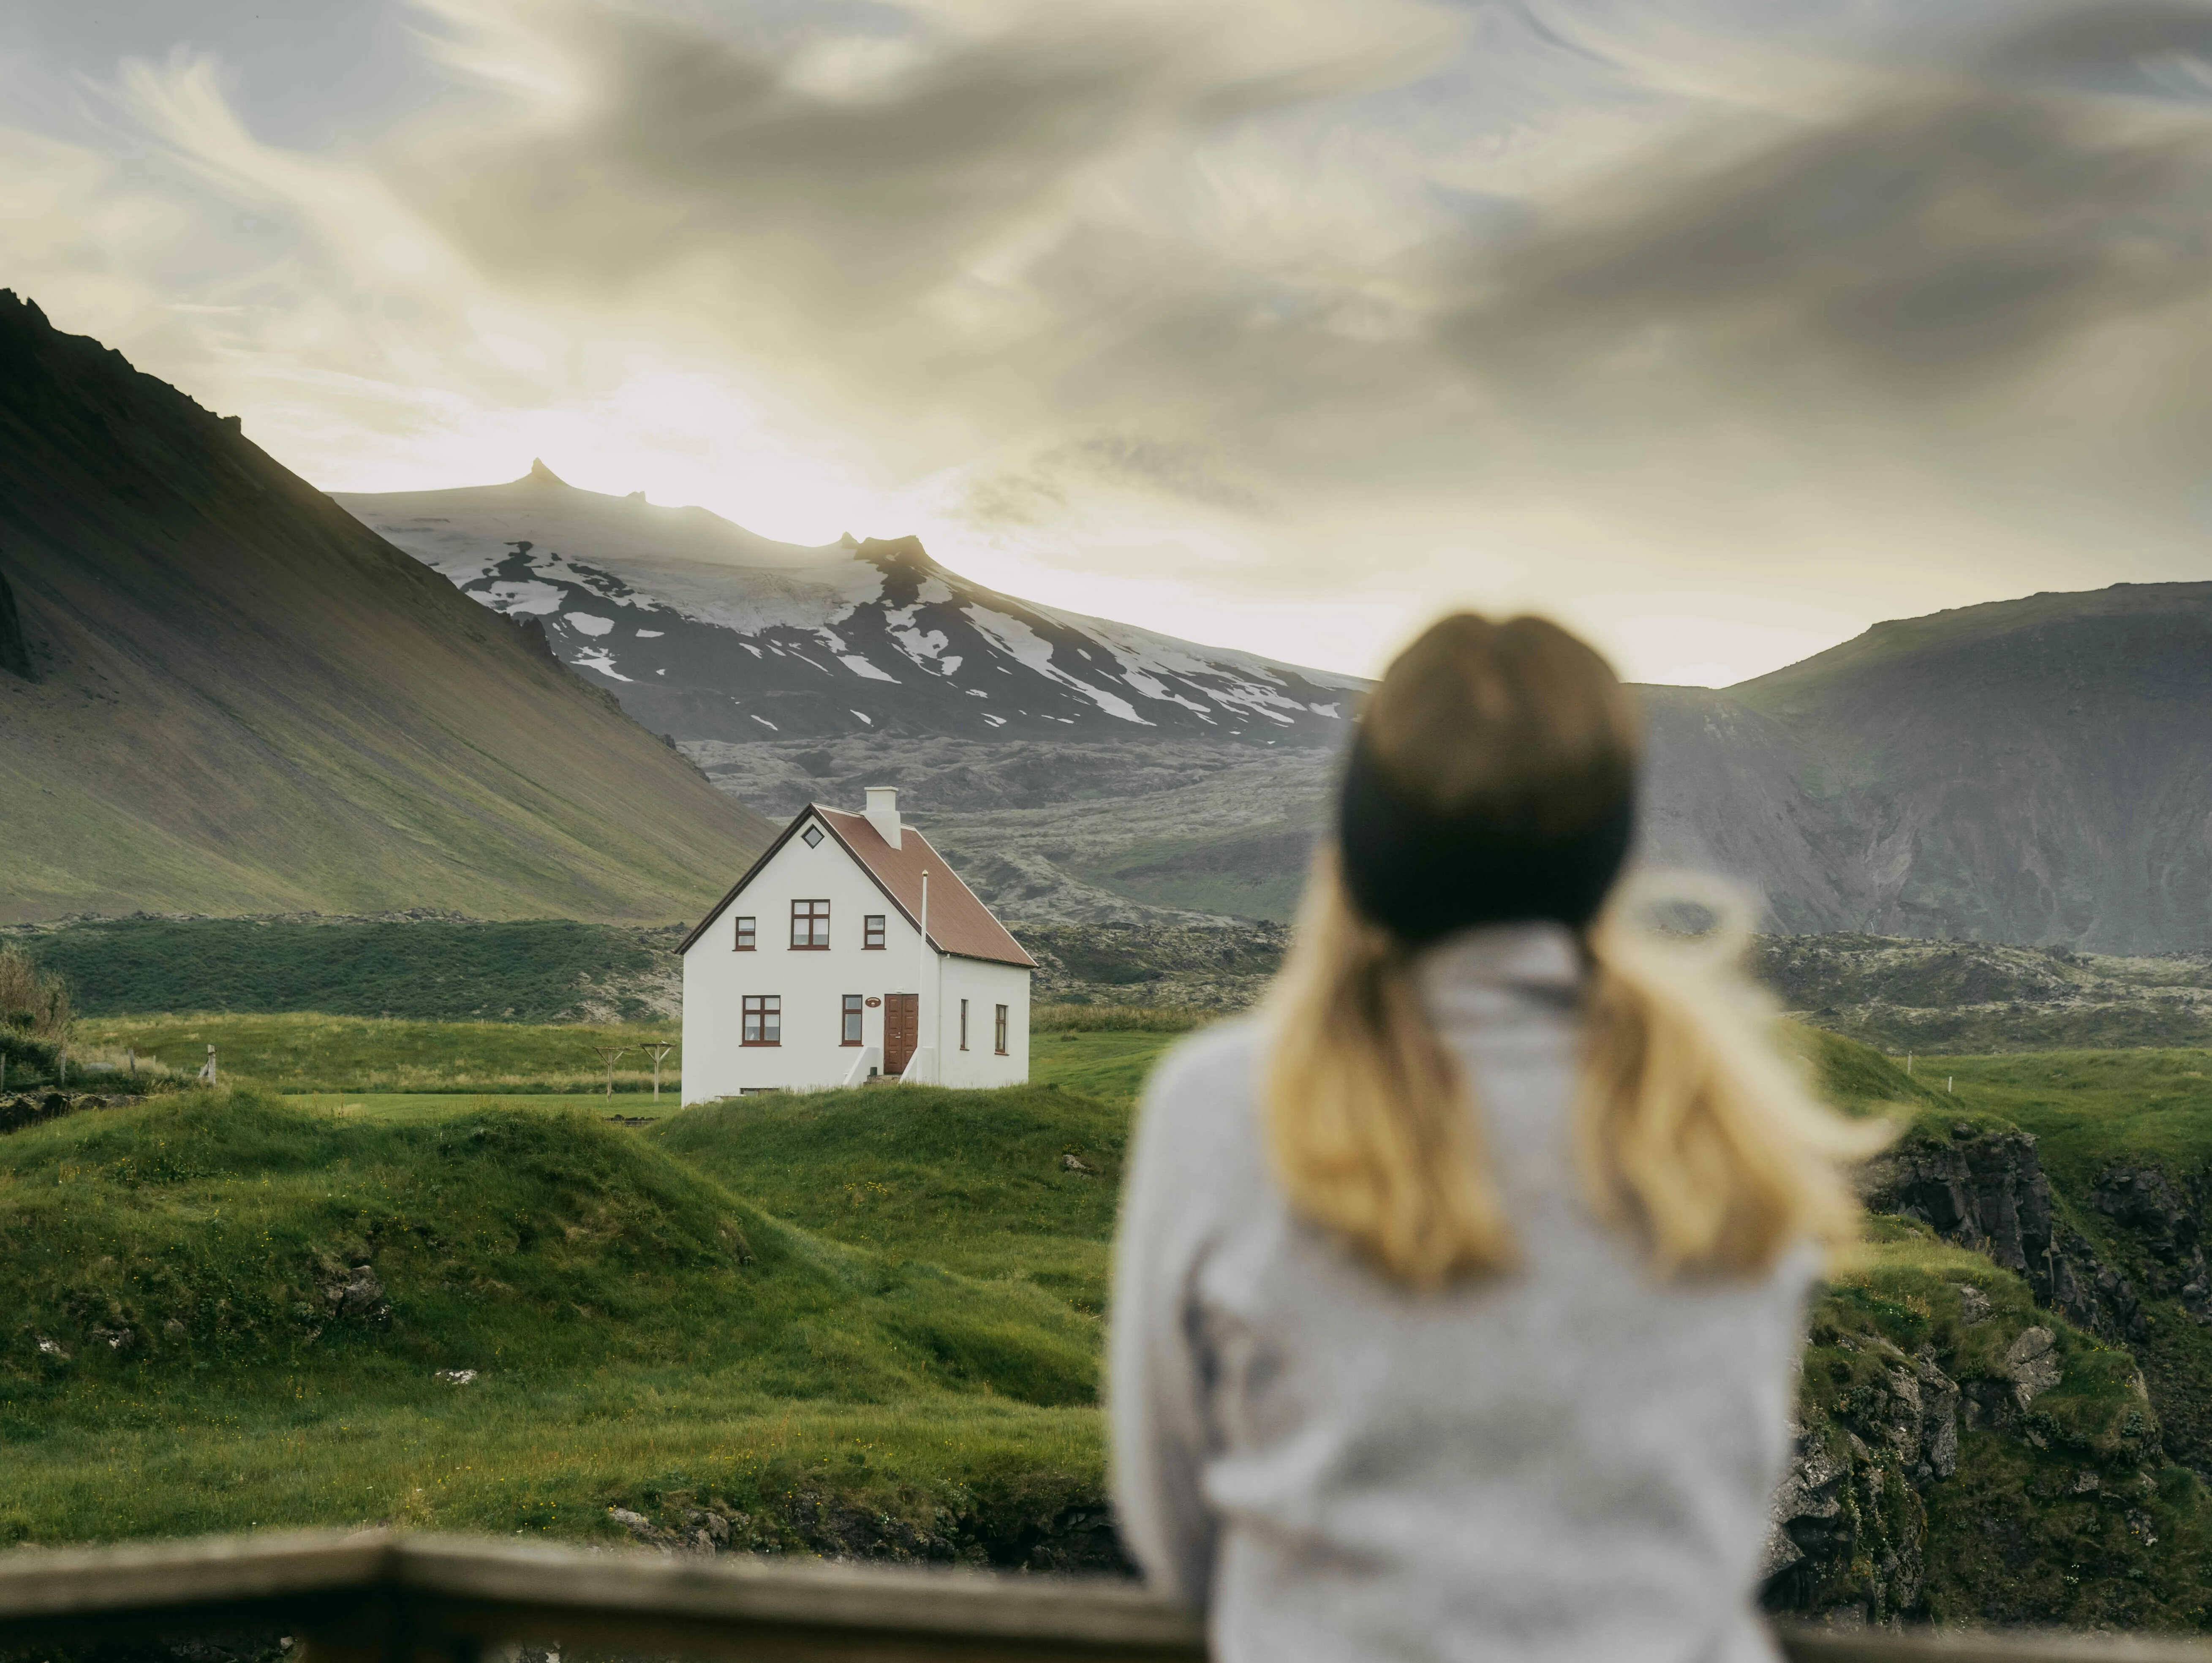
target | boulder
x=2031, y=1362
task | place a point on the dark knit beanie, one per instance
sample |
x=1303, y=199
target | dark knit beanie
x=1422, y=873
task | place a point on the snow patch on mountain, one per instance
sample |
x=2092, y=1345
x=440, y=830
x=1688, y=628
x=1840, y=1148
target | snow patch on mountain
x=1023, y=645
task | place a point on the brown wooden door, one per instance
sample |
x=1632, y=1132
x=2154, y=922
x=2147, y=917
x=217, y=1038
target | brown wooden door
x=902, y=1017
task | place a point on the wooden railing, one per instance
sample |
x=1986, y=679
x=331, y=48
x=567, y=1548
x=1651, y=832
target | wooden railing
x=379, y=1598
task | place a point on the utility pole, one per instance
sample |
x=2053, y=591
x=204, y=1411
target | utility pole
x=660, y=1053
x=608, y=1053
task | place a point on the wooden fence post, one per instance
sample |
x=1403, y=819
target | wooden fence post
x=610, y=1052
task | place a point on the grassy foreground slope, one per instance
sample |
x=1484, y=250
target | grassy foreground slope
x=189, y=1344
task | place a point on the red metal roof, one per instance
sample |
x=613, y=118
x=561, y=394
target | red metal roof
x=959, y=922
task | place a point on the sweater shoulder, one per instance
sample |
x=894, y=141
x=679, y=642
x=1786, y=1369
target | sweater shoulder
x=1199, y=1111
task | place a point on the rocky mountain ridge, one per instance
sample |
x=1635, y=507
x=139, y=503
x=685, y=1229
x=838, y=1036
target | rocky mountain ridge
x=709, y=633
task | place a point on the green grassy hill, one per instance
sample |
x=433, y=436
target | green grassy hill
x=242, y=701
x=188, y=1344
x=978, y=1181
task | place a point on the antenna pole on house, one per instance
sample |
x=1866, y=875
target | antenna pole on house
x=922, y=970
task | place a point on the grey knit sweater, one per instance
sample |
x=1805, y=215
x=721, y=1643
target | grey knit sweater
x=1573, y=1462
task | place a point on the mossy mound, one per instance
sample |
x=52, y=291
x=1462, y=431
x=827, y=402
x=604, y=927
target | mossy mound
x=1020, y=1181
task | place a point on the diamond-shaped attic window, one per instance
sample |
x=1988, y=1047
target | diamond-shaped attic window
x=812, y=836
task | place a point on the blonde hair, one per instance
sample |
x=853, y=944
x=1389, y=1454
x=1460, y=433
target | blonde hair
x=1691, y=1131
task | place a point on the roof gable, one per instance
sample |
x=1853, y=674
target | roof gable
x=959, y=922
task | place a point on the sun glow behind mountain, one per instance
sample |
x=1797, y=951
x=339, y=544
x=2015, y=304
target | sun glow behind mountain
x=1713, y=330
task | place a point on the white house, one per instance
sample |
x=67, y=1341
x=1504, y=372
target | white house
x=815, y=969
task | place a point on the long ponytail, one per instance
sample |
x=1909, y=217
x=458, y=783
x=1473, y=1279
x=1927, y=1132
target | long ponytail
x=1368, y=1121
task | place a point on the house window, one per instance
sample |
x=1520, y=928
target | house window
x=999, y=1029
x=812, y=837
x=963, y=1024
x=763, y=1014
x=872, y=931
x=744, y=941
x=852, y=1019
x=810, y=925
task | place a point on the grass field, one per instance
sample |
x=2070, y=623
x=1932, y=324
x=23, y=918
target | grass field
x=2089, y=1108
x=405, y=1107
x=310, y=1051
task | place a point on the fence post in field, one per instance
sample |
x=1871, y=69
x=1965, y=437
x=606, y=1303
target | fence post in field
x=207, y=1071
x=659, y=1054
x=609, y=1052
x=131, y=1059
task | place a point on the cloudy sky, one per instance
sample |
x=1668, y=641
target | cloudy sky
x=1720, y=329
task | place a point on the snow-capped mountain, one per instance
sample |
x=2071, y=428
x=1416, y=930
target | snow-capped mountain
x=705, y=631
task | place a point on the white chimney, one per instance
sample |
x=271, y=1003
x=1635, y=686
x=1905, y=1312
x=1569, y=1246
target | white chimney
x=883, y=812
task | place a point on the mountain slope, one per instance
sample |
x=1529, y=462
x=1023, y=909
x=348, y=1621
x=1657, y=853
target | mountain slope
x=242, y=700
x=711, y=634
x=2032, y=771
